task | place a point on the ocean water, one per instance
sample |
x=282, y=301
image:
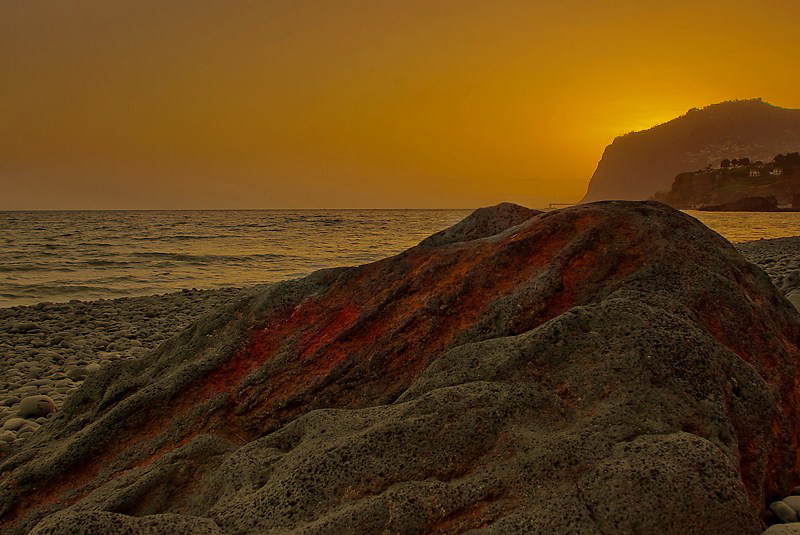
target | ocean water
x=64, y=255
x=738, y=227
x=58, y=256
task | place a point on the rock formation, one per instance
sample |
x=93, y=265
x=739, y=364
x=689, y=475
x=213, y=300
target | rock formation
x=640, y=164
x=607, y=368
x=745, y=204
x=722, y=186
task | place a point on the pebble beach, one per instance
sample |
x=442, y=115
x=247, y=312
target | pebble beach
x=49, y=349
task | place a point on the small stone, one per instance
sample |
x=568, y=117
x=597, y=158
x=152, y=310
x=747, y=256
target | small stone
x=783, y=512
x=23, y=327
x=42, y=382
x=77, y=374
x=91, y=368
x=36, y=406
x=14, y=424
x=783, y=529
x=8, y=436
x=793, y=502
x=9, y=401
x=794, y=298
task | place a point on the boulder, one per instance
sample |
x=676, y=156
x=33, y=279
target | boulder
x=613, y=367
x=482, y=223
x=746, y=204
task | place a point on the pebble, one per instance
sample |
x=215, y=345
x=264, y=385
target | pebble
x=23, y=327
x=14, y=424
x=48, y=349
x=783, y=512
x=793, y=502
x=36, y=406
x=783, y=529
x=76, y=374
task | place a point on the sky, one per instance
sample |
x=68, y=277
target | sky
x=203, y=104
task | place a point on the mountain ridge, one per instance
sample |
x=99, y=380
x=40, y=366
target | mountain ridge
x=637, y=165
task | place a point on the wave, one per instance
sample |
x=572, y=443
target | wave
x=91, y=255
x=178, y=237
x=328, y=221
x=32, y=267
x=110, y=263
x=207, y=258
x=16, y=290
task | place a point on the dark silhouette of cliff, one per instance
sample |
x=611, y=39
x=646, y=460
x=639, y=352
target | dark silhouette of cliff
x=756, y=186
x=637, y=165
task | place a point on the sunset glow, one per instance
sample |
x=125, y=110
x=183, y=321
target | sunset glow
x=319, y=104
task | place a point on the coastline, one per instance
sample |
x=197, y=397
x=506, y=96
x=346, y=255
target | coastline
x=49, y=349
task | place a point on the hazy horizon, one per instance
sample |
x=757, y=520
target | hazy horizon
x=179, y=105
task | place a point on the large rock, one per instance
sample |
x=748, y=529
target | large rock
x=482, y=223
x=608, y=368
x=746, y=204
x=640, y=164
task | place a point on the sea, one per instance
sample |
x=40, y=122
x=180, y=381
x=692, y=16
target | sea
x=64, y=255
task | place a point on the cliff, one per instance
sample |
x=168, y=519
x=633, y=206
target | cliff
x=614, y=367
x=729, y=186
x=639, y=164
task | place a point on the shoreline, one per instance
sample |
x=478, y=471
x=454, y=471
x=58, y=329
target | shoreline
x=664, y=334
x=759, y=252
x=50, y=348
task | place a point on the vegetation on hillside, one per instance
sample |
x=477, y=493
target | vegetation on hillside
x=735, y=179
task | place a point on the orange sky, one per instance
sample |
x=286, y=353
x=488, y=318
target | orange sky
x=358, y=104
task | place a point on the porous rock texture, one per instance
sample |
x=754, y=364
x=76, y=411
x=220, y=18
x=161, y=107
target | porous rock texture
x=482, y=223
x=614, y=367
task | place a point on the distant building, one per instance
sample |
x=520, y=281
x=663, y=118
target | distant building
x=755, y=172
x=776, y=172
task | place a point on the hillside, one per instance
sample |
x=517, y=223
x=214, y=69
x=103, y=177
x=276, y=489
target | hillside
x=639, y=164
x=779, y=178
